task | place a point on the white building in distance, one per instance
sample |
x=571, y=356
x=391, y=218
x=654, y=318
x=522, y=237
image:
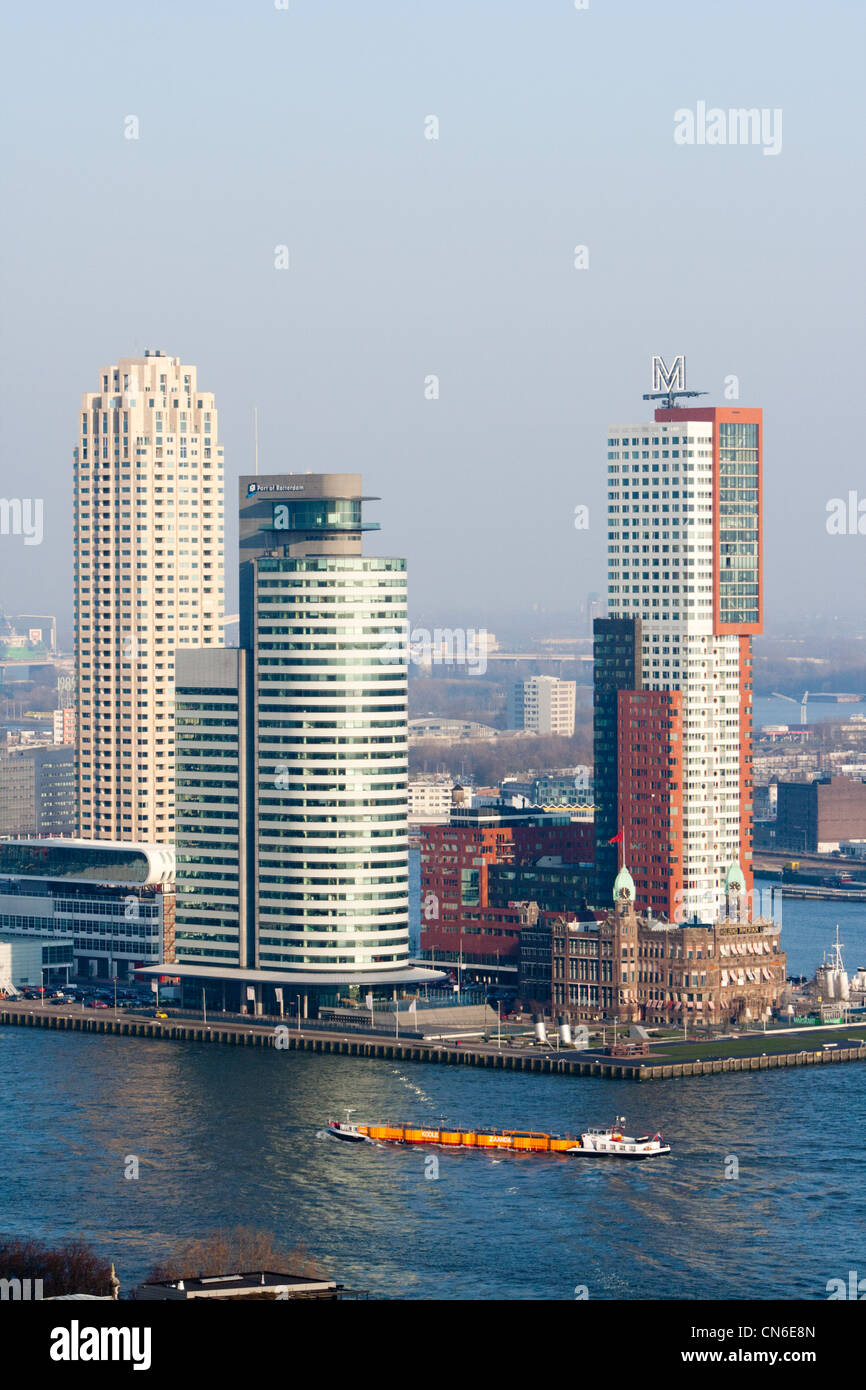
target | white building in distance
x=543, y=705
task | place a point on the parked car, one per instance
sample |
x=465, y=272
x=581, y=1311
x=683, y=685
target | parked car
x=95, y=1004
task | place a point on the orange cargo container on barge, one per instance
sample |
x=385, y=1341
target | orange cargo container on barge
x=521, y=1140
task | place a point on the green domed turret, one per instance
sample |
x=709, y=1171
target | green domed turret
x=623, y=887
x=735, y=881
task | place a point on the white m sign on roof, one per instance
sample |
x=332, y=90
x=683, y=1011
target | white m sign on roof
x=669, y=380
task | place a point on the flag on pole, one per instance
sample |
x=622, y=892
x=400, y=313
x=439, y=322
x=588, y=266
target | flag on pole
x=413, y=1007
x=279, y=994
x=251, y=993
x=369, y=1001
x=154, y=985
x=617, y=839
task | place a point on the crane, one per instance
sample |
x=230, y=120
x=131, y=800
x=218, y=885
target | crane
x=804, y=703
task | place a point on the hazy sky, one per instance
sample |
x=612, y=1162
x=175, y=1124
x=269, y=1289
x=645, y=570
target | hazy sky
x=305, y=127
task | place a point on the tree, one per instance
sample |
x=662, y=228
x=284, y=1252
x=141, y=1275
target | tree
x=71, y=1268
x=239, y=1250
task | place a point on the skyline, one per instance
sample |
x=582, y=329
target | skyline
x=502, y=743
x=388, y=284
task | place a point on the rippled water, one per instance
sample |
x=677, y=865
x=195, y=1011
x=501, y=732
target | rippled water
x=226, y=1136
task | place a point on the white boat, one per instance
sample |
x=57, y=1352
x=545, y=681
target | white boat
x=347, y=1131
x=613, y=1142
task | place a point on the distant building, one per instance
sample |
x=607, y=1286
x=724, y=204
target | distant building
x=40, y=628
x=450, y=729
x=766, y=801
x=14, y=671
x=37, y=790
x=114, y=901
x=431, y=799
x=66, y=686
x=594, y=608
x=472, y=917
x=569, y=788
x=814, y=817
x=65, y=723
x=543, y=705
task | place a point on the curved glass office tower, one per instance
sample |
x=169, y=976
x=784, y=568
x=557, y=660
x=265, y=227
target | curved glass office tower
x=331, y=756
x=293, y=816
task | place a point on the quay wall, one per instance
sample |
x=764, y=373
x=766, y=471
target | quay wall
x=413, y=1050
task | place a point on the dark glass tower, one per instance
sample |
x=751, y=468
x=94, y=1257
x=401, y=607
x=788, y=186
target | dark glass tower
x=617, y=666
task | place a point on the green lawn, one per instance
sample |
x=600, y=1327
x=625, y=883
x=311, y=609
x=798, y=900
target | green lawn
x=806, y=1041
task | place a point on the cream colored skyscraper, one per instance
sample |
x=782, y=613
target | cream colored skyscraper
x=148, y=515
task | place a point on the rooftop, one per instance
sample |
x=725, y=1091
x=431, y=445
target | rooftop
x=230, y=1283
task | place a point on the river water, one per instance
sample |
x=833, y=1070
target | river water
x=227, y=1136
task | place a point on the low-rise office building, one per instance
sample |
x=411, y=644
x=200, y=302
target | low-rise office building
x=28, y=961
x=114, y=901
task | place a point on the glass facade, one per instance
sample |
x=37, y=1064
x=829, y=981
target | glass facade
x=617, y=665
x=321, y=514
x=331, y=758
x=739, y=515
x=72, y=861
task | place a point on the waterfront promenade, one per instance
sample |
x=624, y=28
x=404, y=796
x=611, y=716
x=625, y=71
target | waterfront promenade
x=830, y=1045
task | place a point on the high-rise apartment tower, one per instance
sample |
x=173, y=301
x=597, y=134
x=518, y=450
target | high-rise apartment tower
x=148, y=518
x=674, y=777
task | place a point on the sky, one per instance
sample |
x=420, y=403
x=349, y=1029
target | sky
x=306, y=127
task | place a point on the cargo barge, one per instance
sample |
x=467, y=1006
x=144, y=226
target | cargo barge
x=608, y=1142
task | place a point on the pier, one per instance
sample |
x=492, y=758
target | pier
x=476, y=1054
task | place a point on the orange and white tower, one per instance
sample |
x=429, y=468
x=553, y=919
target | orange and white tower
x=684, y=570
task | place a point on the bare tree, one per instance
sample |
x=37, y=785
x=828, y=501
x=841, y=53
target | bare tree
x=71, y=1268
x=236, y=1250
